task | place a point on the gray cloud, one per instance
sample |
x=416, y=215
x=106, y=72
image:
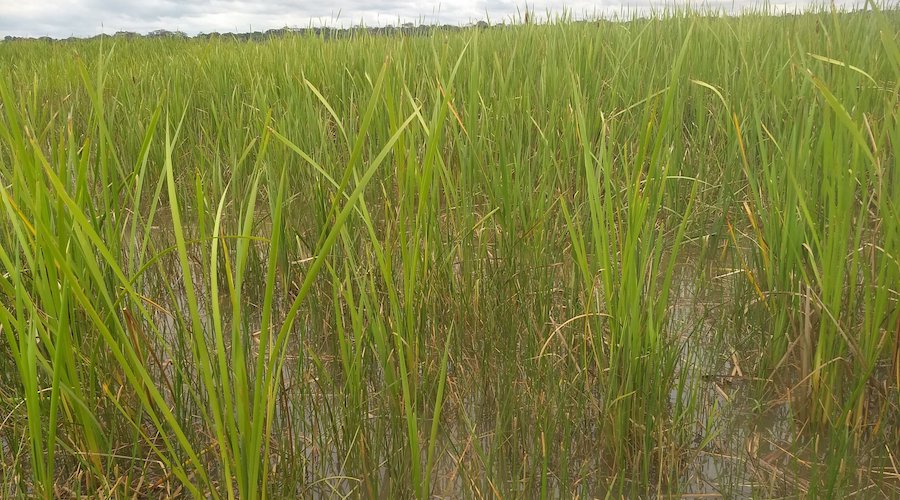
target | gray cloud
x=63, y=18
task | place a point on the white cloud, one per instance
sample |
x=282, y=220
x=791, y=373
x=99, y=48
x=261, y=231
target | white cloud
x=63, y=18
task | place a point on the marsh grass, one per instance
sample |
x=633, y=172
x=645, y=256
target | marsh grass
x=657, y=256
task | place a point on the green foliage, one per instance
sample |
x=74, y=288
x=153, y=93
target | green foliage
x=566, y=259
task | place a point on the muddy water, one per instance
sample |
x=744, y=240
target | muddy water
x=746, y=435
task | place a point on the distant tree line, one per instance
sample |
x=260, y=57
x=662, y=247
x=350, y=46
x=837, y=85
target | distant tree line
x=324, y=32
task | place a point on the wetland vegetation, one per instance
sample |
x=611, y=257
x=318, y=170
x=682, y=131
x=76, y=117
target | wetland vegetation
x=652, y=257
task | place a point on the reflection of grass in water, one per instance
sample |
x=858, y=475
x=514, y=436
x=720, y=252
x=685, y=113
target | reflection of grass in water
x=430, y=269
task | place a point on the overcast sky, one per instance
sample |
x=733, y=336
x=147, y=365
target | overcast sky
x=63, y=18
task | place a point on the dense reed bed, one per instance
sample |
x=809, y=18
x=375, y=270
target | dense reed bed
x=589, y=259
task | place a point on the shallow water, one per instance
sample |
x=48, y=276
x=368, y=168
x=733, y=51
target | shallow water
x=745, y=438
